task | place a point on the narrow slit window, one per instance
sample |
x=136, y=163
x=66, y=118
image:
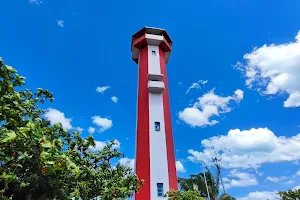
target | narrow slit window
x=153, y=53
x=160, y=189
x=157, y=126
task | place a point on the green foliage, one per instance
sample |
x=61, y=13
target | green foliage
x=226, y=197
x=184, y=195
x=196, y=183
x=40, y=161
x=290, y=195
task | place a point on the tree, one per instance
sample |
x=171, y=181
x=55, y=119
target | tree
x=41, y=161
x=290, y=195
x=184, y=195
x=226, y=197
x=197, y=183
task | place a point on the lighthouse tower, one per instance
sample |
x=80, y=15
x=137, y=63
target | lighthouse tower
x=155, y=158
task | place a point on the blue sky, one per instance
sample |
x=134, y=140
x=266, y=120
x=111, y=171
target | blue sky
x=244, y=101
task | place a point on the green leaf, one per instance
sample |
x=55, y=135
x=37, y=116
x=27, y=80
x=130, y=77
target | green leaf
x=9, y=137
x=10, y=69
x=44, y=155
x=50, y=162
x=47, y=144
x=30, y=125
x=23, y=156
x=24, y=131
x=37, y=134
x=22, y=185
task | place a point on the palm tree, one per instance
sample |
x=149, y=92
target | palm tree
x=197, y=183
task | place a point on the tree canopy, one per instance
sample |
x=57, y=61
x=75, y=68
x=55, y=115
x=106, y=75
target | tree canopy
x=43, y=161
x=196, y=183
x=290, y=195
x=184, y=195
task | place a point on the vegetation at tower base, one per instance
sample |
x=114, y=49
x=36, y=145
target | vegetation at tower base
x=195, y=185
x=184, y=195
x=40, y=161
x=290, y=195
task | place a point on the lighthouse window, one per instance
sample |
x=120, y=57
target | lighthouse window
x=153, y=53
x=160, y=189
x=157, y=126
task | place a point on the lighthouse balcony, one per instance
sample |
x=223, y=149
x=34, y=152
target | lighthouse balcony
x=156, y=87
x=155, y=77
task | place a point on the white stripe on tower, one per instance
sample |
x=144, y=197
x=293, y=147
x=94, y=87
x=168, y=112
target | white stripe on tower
x=158, y=150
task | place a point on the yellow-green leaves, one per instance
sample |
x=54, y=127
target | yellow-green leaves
x=9, y=136
x=47, y=144
x=24, y=131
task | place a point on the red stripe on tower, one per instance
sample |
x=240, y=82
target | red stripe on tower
x=142, y=137
x=168, y=126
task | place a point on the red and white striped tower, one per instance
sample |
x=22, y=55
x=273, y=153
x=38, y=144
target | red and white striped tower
x=155, y=157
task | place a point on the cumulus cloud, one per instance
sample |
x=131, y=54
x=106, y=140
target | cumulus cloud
x=102, y=89
x=127, y=162
x=274, y=69
x=248, y=148
x=239, y=179
x=207, y=106
x=101, y=144
x=180, y=167
x=56, y=116
x=79, y=129
x=114, y=99
x=196, y=85
x=262, y=195
x=91, y=130
x=276, y=179
x=103, y=123
x=297, y=187
x=298, y=173
x=60, y=23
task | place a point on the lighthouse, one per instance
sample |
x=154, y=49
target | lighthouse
x=155, y=157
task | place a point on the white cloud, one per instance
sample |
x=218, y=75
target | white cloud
x=79, y=129
x=239, y=94
x=101, y=144
x=289, y=182
x=248, y=148
x=114, y=99
x=91, y=130
x=263, y=195
x=37, y=2
x=103, y=123
x=55, y=116
x=276, y=179
x=239, y=179
x=180, y=167
x=274, y=69
x=60, y=23
x=127, y=162
x=196, y=85
x=207, y=106
x=102, y=89
x=297, y=187
x=298, y=173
